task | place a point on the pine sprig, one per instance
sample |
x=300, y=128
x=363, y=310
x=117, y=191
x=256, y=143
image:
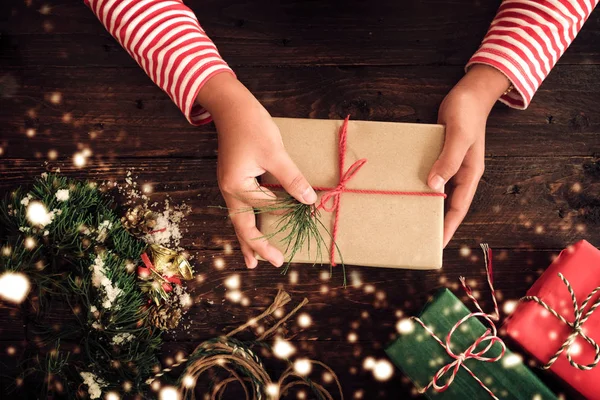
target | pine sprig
x=298, y=225
x=83, y=227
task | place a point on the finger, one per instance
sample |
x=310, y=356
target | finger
x=254, y=195
x=287, y=173
x=245, y=227
x=459, y=201
x=449, y=161
x=261, y=199
x=249, y=257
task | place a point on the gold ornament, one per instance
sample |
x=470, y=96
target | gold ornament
x=157, y=288
x=170, y=263
x=163, y=269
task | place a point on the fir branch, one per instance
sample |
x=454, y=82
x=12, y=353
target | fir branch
x=59, y=266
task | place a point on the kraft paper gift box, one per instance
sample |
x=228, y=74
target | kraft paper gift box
x=378, y=230
x=542, y=334
x=420, y=357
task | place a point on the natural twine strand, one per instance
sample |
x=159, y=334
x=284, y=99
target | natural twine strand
x=244, y=366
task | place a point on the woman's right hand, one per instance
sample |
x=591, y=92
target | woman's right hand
x=249, y=145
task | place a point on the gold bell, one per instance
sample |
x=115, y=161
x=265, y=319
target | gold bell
x=184, y=267
x=162, y=257
x=167, y=260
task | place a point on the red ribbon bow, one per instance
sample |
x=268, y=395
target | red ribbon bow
x=145, y=272
x=490, y=336
x=335, y=193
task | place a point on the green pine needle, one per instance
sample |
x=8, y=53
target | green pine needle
x=59, y=268
x=299, y=224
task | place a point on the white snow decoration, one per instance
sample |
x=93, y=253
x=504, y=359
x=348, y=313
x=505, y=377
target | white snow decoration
x=94, y=384
x=14, y=287
x=100, y=280
x=283, y=349
x=62, y=194
x=405, y=326
x=383, y=370
x=25, y=200
x=302, y=366
x=121, y=338
x=167, y=231
x=103, y=230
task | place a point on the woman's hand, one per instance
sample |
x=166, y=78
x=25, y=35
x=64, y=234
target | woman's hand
x=249, y=145
x=464, y=111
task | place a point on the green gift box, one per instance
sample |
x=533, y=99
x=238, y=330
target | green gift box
x=420, y=357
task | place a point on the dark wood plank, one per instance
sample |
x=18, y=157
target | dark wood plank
x=98, y=108
x=380, y=292
x=283, y=33
x=14, y=326
x=538, y=202
x=345, y=358
x=388, y=61
x=348, y=324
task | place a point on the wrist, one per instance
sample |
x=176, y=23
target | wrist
x=223, y=93
x=486, y=83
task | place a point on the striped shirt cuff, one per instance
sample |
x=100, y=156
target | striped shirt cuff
x=166, y=40
x=527, y=38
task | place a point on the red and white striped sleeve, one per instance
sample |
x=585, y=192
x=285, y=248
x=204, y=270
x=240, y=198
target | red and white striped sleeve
x=526, y=39
x=166, y=40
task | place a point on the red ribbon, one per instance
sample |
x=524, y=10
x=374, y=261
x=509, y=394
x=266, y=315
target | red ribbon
x=333, y=195
x=149, y=266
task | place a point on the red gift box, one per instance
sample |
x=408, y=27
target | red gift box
x=543, y=334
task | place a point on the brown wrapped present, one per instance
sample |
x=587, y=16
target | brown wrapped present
x=374, y=183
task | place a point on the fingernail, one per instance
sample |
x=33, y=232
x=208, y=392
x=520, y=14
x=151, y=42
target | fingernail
x=437, y=182
x=309, y=195
x=278, y=260
x=250, y=263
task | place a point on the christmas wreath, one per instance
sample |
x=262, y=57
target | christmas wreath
x=66, y=238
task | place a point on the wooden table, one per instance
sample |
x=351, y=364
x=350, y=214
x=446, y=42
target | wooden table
x=67, y=85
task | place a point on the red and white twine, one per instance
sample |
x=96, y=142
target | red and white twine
x=490, y=337
x=579, y=318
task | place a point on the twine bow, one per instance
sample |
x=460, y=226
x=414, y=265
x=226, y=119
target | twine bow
x=145, y=271
x=576, y=326
x=331, y=199
x=335, y=193
x=490, y=337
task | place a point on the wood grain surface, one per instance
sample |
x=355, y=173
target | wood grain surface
x=66, y=86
